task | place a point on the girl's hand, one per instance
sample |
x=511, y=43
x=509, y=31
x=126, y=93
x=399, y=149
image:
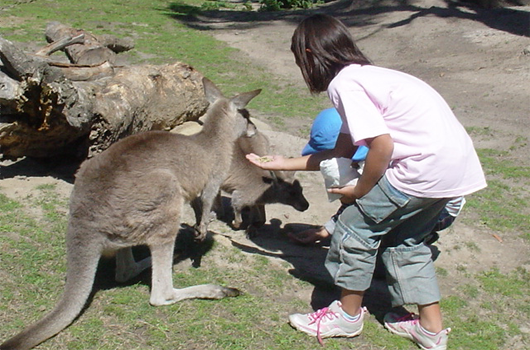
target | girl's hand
x=266, y=162
x=347, y=192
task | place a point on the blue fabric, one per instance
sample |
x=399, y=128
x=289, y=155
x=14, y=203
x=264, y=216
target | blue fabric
x=393, y=224
x=324, y=133
x=360, y=154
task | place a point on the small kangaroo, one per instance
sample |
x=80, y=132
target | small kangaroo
x=253, y=187
x=133, y=194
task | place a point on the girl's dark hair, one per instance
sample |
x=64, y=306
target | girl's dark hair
x=322, y=46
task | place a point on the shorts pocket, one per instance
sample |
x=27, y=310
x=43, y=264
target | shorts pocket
x=382, y=201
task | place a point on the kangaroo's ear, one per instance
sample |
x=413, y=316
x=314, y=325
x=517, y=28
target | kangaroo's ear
x=243, y=99
x=273, y=179
x=267, y=180
x=211, y=91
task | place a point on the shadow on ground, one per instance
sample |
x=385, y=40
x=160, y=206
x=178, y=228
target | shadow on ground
x=357, y=14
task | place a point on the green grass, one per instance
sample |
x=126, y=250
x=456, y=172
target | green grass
x=160, y=37
x=120, y=317
x=490, y=310
x=484, y=312
x=504, y=204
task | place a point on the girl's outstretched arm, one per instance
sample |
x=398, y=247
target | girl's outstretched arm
x=343, y=148
x=278, y=162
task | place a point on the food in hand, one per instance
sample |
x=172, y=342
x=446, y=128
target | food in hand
x=265, y=159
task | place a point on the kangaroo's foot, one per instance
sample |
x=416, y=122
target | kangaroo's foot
x=162, y=291
x=203, y=291
x=200, y=233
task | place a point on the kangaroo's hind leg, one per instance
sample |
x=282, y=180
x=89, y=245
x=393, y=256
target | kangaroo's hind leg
x=127, y=267
x=161, y=241
x=162, y=291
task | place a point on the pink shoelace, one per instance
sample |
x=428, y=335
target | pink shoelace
x=317, y=317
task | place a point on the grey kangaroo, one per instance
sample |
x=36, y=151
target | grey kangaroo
x=253, y=187
x=133, y=194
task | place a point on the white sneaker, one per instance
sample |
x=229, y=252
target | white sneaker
x=328, y=322
x=409, y=327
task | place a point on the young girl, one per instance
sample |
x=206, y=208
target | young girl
x=419, y=158
x=323, y=136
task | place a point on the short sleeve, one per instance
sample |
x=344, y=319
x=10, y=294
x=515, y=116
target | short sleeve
x=361, y=117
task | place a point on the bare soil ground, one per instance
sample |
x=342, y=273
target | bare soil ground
x=475, y=58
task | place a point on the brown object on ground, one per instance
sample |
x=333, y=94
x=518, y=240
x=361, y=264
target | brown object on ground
x=55, y=108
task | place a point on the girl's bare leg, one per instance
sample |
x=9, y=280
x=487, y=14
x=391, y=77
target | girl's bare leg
x=431, y=317
x=351, y=301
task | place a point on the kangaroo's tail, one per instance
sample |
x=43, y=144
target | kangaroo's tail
x=82, y=265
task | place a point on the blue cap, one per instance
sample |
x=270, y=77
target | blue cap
x=324, y=133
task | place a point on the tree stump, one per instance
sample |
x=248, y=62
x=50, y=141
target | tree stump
x=81, y=107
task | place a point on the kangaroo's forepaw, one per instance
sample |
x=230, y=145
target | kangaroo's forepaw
x=236, y=225
x=200, y=235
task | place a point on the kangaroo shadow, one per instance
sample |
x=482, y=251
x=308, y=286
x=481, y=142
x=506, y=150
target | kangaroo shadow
x=271, y=240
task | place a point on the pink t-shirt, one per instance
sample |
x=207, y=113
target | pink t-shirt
x=433, y=155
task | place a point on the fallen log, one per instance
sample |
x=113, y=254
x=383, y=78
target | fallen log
x=84, y=72
x=52, y=108
x=89, y=52
x=61, y=44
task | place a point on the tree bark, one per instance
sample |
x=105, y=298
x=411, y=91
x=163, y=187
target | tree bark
x=54, y=108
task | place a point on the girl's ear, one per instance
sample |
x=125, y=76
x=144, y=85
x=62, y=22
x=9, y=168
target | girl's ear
x=308, y=50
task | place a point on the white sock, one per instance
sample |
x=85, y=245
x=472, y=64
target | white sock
x=427, y=332
x=349, y=317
